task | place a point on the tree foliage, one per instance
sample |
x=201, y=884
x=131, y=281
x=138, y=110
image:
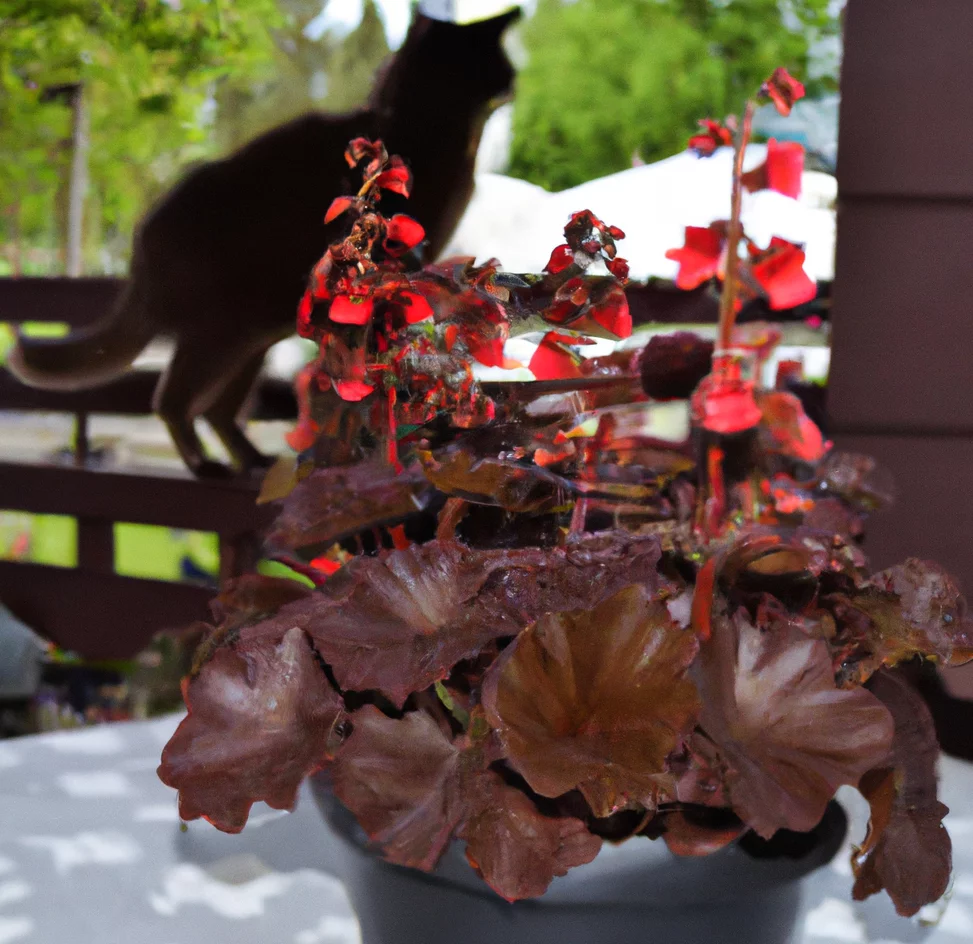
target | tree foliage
x=147, y=70
x=606, y=81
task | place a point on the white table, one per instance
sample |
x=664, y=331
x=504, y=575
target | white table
x=91, y=852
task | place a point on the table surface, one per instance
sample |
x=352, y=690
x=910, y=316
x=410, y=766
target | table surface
x=91, y=852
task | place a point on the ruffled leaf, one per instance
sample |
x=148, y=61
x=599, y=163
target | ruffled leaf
x=515, y=487
x=516, y=849
x=913, y=609
x=260, y=716
x=401, y=622
x=595, y=700
x=337, y=501
x=401, y=779
x=412, y=788
x=907, y=850
x=788, y=736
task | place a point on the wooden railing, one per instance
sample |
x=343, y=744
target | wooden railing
x=91, y=609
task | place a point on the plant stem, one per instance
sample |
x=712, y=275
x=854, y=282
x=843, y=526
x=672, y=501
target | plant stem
x=735, y=233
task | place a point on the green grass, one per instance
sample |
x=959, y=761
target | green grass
x=140, y=550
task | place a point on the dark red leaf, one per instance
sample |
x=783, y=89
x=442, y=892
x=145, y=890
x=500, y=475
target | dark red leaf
x=337, y=501
x=596, y=700
x=516, y=849
x=338, y=206
x=511, y=485
x=413, y=789
x=401, y=622
x=260, y=716
x=907, y=850
x=699, y=259
x=913, y=609
x=688, y=836
x=788, y=736
x=401, y=779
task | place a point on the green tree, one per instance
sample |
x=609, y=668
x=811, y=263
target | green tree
x=604, y=81
x=146, y=67
x=329, y=72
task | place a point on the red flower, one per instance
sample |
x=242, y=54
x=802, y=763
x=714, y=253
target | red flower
x=415, y=307
x=780, y=273
x=782, y=171
x=351, y=309
x=402, y=233
x=713, y=136
x=353, y=390
x=783, y=90
x=612, y=313
x=488, y=352
x=338, y=206
x=699, y=259
x=561, y=258
x=552, y=361
x=619, y=268
x=396, y=177
x=361, y=149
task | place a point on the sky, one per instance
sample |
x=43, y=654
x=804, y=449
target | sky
x=342, y=16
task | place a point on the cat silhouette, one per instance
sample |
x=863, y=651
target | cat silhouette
x=219, y=264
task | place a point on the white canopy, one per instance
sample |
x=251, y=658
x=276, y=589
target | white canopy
x=520, y=223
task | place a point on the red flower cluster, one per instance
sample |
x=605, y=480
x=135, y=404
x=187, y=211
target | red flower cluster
x=776, y=272
x=713, y=136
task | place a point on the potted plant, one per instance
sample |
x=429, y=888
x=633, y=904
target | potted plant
x=538, y=630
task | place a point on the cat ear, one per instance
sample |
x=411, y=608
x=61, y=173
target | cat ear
x=497, y=24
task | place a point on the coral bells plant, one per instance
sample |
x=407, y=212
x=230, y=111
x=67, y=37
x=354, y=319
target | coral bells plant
x=531, y=624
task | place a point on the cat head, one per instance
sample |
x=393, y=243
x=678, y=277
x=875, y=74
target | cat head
x=445, y=63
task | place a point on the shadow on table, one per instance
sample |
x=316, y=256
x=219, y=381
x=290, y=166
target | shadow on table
x=283, y=842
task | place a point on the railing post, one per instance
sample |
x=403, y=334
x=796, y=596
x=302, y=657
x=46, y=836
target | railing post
x=238, y=554
x=96, y=545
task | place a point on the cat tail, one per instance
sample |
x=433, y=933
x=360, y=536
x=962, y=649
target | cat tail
x=89, y=356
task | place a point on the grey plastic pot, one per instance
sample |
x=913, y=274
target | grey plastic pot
x=634, y=893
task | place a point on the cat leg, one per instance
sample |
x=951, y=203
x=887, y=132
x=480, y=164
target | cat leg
x=225, y=419
x=190, y=385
